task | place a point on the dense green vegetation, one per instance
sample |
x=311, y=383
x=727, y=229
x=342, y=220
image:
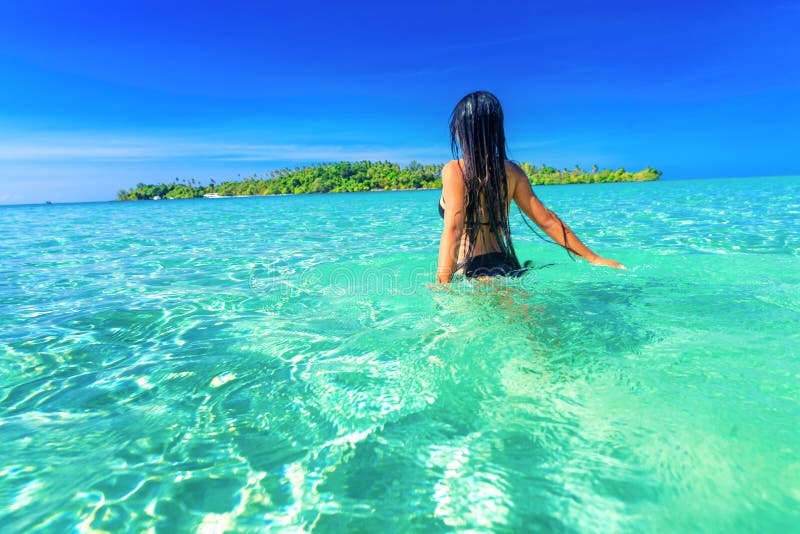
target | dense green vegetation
x=545, y=175
x=362, y=176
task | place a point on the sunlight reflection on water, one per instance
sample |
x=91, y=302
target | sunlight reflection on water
x=232, y=364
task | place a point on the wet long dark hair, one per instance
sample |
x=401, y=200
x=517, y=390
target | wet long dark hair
x=477, y=136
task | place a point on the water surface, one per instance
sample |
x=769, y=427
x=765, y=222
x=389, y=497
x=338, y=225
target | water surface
x=285, y=362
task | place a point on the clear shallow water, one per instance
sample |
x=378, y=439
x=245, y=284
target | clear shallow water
x=282, y=362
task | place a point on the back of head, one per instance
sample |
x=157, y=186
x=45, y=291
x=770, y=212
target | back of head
x=476, y=128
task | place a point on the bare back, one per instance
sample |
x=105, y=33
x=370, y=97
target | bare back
x=486, y=241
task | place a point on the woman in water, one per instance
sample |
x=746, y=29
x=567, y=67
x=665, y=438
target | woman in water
x=477, y=190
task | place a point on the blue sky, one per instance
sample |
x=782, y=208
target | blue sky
x=97, y=96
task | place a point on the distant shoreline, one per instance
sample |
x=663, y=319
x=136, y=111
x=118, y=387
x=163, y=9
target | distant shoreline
x=362, y=176
x=669, y=180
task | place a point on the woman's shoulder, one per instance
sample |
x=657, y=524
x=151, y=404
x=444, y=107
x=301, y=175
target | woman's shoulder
x=452, y=165
x=452, y=168
x=512, y=168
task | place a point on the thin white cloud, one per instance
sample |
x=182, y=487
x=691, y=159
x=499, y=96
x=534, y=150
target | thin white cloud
x=6, y=198
x=81, y=147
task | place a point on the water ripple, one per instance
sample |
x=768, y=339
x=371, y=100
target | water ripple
x=233, y=365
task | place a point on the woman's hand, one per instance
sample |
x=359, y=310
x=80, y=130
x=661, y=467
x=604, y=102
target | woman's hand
x=599, y=260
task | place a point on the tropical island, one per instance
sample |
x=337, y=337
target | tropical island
x=362, y=176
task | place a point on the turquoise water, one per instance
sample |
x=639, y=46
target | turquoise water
x=284, y=363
